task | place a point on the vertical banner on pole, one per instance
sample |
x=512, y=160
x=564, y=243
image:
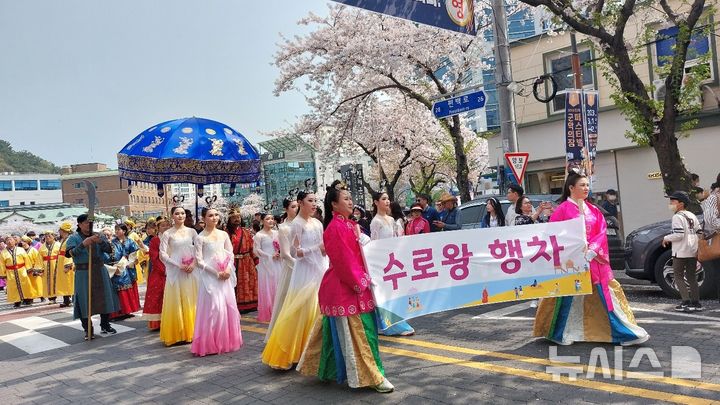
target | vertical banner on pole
x=575, y=147
x=590, y=98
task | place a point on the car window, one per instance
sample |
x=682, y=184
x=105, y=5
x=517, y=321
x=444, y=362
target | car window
x=471, y=215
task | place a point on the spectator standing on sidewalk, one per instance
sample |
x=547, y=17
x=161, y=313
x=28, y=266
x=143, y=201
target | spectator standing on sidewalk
x=428, y=211
x=711, y=208
x=684, y=240
x=514, y=193
x=450, y=219
x=610, y=203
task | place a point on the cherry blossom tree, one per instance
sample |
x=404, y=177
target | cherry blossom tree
x=356, y=66
x=616, y=28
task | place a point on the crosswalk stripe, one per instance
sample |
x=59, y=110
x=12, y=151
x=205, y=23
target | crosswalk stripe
x=34, y=322
x=32, y=342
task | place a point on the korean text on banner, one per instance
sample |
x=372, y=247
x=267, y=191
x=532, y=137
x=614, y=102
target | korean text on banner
x=428, y=273
x=590, y=99
x=575, y=148
x=453, y=15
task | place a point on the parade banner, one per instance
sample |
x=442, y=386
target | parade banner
x=453, y=15
x=423, y=274
x=575, y=151
x=590, y=106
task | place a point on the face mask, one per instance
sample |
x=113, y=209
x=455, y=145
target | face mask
x=672, y=207
x=612, y=198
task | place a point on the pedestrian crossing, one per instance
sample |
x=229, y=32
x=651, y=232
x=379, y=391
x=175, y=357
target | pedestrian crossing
x=37, y=334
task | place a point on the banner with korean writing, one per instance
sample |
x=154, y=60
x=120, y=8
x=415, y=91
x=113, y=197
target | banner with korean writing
x=454, y=15
x=590, y=106
x=427, y=273
x=575, y=151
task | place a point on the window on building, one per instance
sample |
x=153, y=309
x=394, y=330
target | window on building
x=32, y=202
x=697, y=51
x=559, y=65
x=4, y=203
x=5, y=185
x=50, y=185
x=22, y=202
x=26, y=185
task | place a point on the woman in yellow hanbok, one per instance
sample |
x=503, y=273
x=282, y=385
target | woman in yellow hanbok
x=14, y=263
x=300, y=309
x=177, y=252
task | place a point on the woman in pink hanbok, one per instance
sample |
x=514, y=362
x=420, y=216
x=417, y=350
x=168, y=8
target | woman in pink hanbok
x=267, y=249
x=217, y=319
x=343, y=344
x=603, y=316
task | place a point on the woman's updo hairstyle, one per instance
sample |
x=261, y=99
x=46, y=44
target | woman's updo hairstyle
x=332, y=194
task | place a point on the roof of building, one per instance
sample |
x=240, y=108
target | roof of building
x=87, y=175
x=54, y=213
x=284, y=144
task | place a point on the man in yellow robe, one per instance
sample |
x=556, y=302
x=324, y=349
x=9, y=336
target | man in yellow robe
x=65, y=281
x=49, y=254
x=34, y=269
x=13, y=262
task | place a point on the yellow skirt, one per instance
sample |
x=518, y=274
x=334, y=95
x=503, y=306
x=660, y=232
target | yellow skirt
x=292, y=328
x=177, y=320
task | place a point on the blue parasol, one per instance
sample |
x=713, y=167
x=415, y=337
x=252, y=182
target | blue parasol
x=189, y=150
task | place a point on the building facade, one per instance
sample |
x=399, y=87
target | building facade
x=113, y=197
x=17, y=189
x=630, y=169
x=288, y=165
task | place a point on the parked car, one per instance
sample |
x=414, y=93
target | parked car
x=473, y=212
x=647, y=259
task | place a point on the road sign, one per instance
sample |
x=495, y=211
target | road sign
x=459, y=104
x=518, y=163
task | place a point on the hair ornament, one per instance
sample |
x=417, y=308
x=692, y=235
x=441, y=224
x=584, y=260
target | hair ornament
x=210, y=200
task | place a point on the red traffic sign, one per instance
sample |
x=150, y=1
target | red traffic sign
x=518, y=162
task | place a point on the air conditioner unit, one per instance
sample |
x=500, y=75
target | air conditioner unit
x=659, y=92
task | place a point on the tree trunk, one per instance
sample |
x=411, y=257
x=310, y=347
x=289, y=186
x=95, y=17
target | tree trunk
x=461, y=163
x=676, y=177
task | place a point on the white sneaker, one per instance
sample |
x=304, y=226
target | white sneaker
x=637, y=341
x=384, y=387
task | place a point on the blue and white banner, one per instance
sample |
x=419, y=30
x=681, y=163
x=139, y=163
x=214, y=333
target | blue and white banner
x=427, y=273
x=454, y=15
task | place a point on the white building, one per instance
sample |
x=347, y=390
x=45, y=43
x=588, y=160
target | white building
x=186, y=192
x=29, y=189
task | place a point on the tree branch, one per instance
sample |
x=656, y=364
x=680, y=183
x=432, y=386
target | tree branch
x=577, y=22
x=672, y=16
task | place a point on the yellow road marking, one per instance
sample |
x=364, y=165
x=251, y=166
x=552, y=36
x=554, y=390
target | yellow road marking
x=541, y=376
x=535, y=375
x=547, y=362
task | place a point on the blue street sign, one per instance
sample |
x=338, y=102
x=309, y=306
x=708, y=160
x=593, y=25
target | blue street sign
x=459, y=104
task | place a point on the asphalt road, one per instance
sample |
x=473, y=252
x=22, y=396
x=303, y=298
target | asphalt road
x=472, y=355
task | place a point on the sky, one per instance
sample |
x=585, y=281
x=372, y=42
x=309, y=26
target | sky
x=80, y=78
